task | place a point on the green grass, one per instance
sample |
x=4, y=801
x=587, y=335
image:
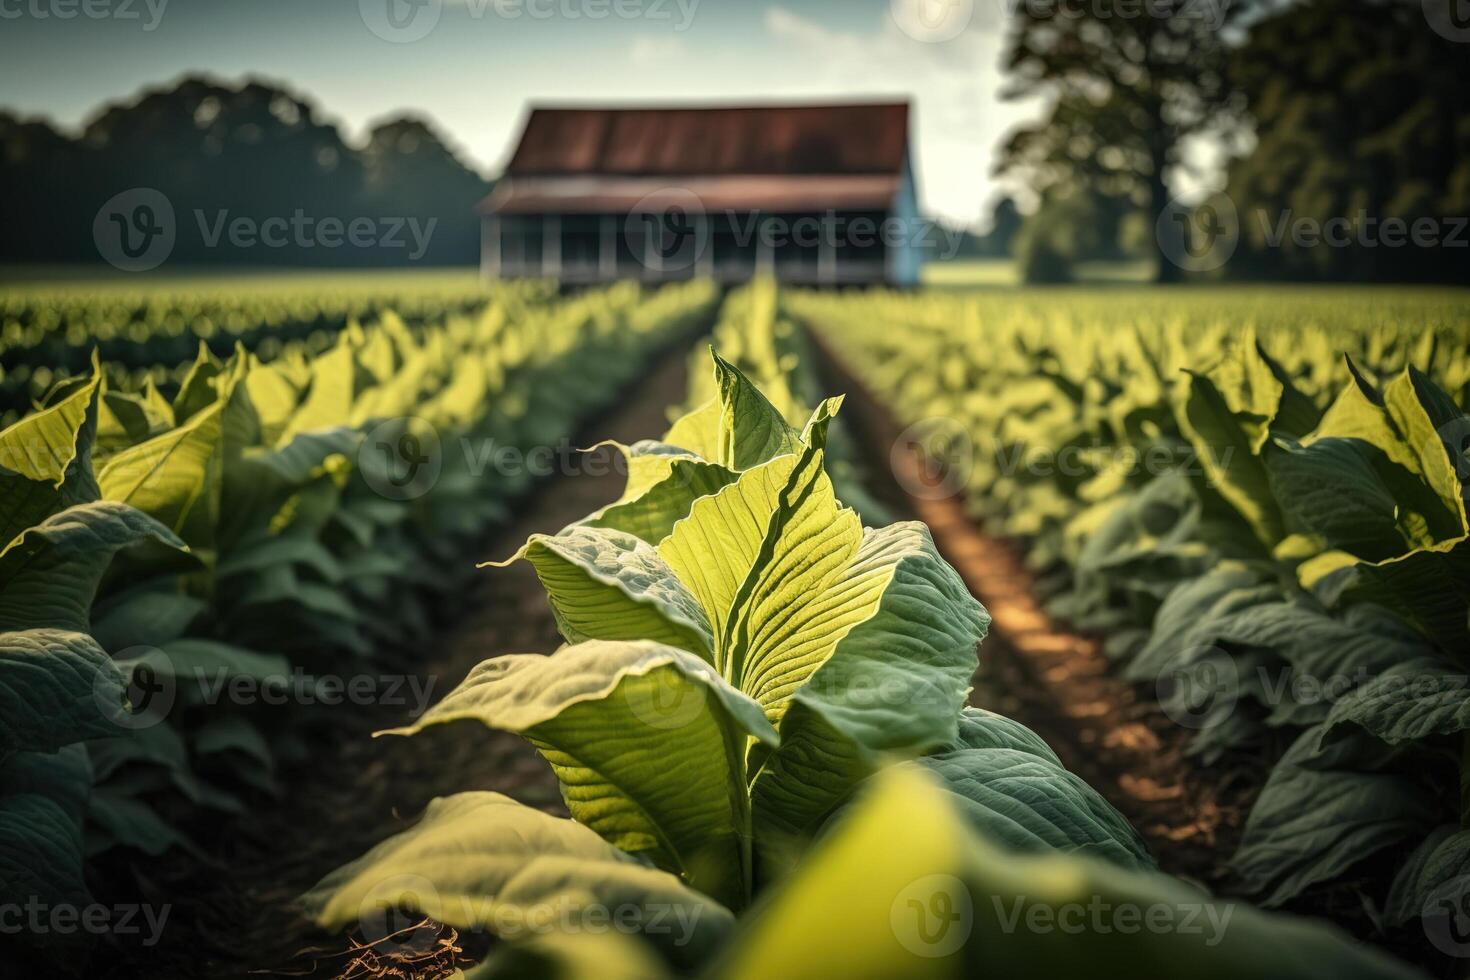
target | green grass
x=975, y=273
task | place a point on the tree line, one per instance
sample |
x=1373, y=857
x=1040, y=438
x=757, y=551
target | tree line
x=1344, y=126
x=253, y=175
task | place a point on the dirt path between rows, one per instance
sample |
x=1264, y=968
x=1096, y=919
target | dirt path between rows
x=237, y=919
x=1053, y=680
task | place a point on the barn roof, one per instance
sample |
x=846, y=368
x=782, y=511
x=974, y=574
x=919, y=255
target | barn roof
x=713, y=140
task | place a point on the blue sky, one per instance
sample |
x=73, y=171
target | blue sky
x=479, y=62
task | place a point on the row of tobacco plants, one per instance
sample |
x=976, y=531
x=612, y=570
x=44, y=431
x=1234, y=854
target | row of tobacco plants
x=759, y=722
x=266, y=524
x=1261, y=505
x=149, y=335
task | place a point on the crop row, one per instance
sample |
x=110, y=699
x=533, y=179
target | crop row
x=48, y=335
x=759, y=723
x=1263, y=511
x=270, y=522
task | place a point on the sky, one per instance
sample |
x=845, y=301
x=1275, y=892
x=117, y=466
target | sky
x=472, y=66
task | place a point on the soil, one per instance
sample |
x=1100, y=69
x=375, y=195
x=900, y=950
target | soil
x=1056, y=681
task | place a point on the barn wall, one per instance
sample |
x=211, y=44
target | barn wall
x=905, y=264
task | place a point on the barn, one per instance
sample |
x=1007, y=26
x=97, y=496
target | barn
x=809, y=194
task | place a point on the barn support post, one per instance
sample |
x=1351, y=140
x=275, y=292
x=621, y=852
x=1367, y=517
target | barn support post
x=490, y=266
x=607, y=248
x=652, y=265
x=704, y=244
x=765, y=249
x=827, y=251
x=551, y=246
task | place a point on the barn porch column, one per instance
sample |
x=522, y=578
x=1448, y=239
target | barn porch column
x=704, y=245
x=765, y=249
x=827, y=250
x=551, y=246
x=490, y=248
x=607, y=248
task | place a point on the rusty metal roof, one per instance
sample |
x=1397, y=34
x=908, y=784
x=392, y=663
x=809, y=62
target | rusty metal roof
x=621, y=195
x=713, y=140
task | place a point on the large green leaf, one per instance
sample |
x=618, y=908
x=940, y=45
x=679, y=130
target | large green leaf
x=481, y=861
x=1437, y=871
x=176, y=478
x=648, y=741
x=1405, y=431
x=50, y=573
x=663, y=483
x=715, y=548
x=1429, y=587
x=42, y=800
x=609, y=585
x=1330, y=489
x=1409, y=702
x=877, y=661
x=45, y=460
x=1028, y=803
x=752, y=430
x=904, y=887
x=1427, y=418
x=56, y=687
x=1229, y=445
x=1323, y=811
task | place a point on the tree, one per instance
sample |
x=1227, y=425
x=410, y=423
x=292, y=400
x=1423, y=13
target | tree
x=1361, y=118
x=219, y=153
x=1129, y=81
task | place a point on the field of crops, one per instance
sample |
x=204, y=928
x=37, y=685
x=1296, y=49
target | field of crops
x=785, y=727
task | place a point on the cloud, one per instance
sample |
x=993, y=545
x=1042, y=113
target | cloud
x=656, y=50
x=959, y=118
